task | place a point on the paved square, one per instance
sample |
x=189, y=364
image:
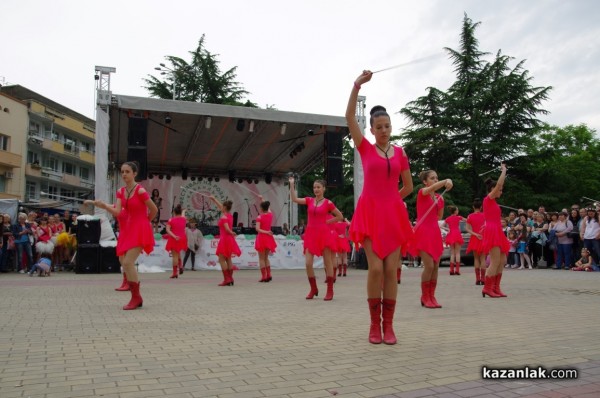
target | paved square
x=66, y=336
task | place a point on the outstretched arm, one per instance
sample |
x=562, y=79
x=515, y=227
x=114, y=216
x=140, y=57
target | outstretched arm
x=355, y=132
x=217, y=202
x=447, y=184
x=293, y=197
x=497, y=191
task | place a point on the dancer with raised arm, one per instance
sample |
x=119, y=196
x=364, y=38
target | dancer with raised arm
x=495, y=243
x=428, y=237
x=227, y=246
x=135, y=210
x=318, y=237
x=380, y=222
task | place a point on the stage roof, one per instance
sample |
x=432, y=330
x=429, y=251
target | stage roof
x=249, y=141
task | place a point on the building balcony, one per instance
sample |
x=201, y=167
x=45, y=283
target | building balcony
x=51, y=174
x=87, y=184
x=10, y=159
x=71, y=180
x=33, y=170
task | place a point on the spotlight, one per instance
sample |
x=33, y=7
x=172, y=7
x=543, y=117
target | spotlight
x=168, y=176
x=160, y=176
x=193, y=178
x=249, y=180
x=241, y=123
x=311, y=132
x=231, y=175
x=167, y=119
x=240, y=180
x=199, y=178
x=150, y=176
x=283, y=128
x=209, y=179
x=256, y=180
x=217, y=179
x=184, y=174
x=268, y=178
x=208, y=122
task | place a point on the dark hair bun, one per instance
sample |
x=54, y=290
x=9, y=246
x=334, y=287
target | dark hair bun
x=377, y=108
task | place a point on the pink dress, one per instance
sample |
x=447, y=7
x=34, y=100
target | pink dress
x=318, y=234
x=381, y=214
x=135, y=230
x=428, y=237
x=178, y=228
x=477, y=221
x=265, y=241
x=342, y=241
x=454, y=236
x=493, y=236
x=227, y=245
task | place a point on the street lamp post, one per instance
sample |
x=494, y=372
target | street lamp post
x=164, y=70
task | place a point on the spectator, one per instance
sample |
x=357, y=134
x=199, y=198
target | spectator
x=286, y=229
x=585, y=263
x=194, y=238
x=538, y=237
x=562, y=228
x=513, y=256
x=7, y=238
x=21, y=231
x=42, y=267
x=589, y=232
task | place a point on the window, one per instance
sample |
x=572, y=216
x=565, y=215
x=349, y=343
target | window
x=86, y=146
x=68, y=168
x=84, y=173
x=30, y=190
x=51, y=163
x=67, y=193
x=52, y=192
x=33, y=157
x=2, y=184
x=4, y=142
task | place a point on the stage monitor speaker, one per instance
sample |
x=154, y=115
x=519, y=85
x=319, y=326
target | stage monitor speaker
x=333, y=143
x=87, y=259
x=334, y=174
x=139, y=155
x=138, y=132
x=109, y=262
x=88, y=232
x=235, y=218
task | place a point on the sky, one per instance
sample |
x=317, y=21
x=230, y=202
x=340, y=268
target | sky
x=303, y=56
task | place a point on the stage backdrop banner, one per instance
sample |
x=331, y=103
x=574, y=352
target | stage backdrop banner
x=193, y=197
x=287, y=256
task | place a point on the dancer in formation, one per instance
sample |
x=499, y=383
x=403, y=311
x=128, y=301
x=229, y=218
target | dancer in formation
x=227, y=246
x=177, y=239
x=428, y=237
x=474, y=226
x=318, y=237
x=343, y=246
x=494, y=241
x=380, y=222
x=265, y=243
x=454, y=238
x=134, y=211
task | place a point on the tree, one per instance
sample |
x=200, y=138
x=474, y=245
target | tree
x=200, y=80
x=487, y=115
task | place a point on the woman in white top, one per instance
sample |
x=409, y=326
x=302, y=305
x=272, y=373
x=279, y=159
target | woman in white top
x=589, y=232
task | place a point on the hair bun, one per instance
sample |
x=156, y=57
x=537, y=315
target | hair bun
x=377, y=108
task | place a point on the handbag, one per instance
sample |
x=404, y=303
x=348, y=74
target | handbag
x=11, y=243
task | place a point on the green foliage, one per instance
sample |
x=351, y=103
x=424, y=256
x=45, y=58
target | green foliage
x=200, y=80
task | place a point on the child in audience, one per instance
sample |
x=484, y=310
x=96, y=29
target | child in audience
x=512, y=252
x=585, y=263
x=42, y=267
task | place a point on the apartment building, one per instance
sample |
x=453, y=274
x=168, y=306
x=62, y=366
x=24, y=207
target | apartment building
x=13, y=132
x=57, y=151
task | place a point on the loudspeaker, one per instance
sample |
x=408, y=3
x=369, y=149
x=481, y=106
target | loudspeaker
x=334, y=172
x=87, y=259
x=88, y=232
x=138, y=132
x=235, y=218
x=333, y=144
x=109, y=262
x=362, y=259
x=139, y=155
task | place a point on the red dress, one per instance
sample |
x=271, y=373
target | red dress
x=477, y=221
x=178, y=228
x=318, y=234
x=265, y=241
x=342, y=241
x=135, y=230
x=381, y=214
x=428, y=237
x=227, y=245
x=454, y=235
x=493, y=235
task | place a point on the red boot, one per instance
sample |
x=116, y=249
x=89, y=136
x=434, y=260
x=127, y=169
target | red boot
x=263, y=273
x=375, y=330
x=124, y=286
x=488, y=287
x=451, y=268
x=457, y=272
x=497, y=286
x=329, y=294
x=180, y=266
x=339, y=270
x=345, y=266
x=269, y=277
x=175, y=273
x=230, y=273
x=432, y=286
x=136, y=299
x=426, y=295
x=313, y=288
x=225, y=278
x=333, y=277
x=399, y=274
x=389, y=307
x=477, y=275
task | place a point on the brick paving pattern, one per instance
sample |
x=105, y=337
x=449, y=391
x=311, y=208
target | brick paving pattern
x=66, y=336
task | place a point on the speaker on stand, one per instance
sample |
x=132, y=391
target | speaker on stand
x=333, y=166
x=137, y=145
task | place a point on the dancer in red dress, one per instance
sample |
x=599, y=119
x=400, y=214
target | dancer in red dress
x=227, y=246
x=380, y=222
x=318, y=238
x=494, y=241
x=265, y=243
x=134, y=210
x=177, y=239
x=454, y=238
x=343, y=246
x=428, y=238
x=474, y=226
